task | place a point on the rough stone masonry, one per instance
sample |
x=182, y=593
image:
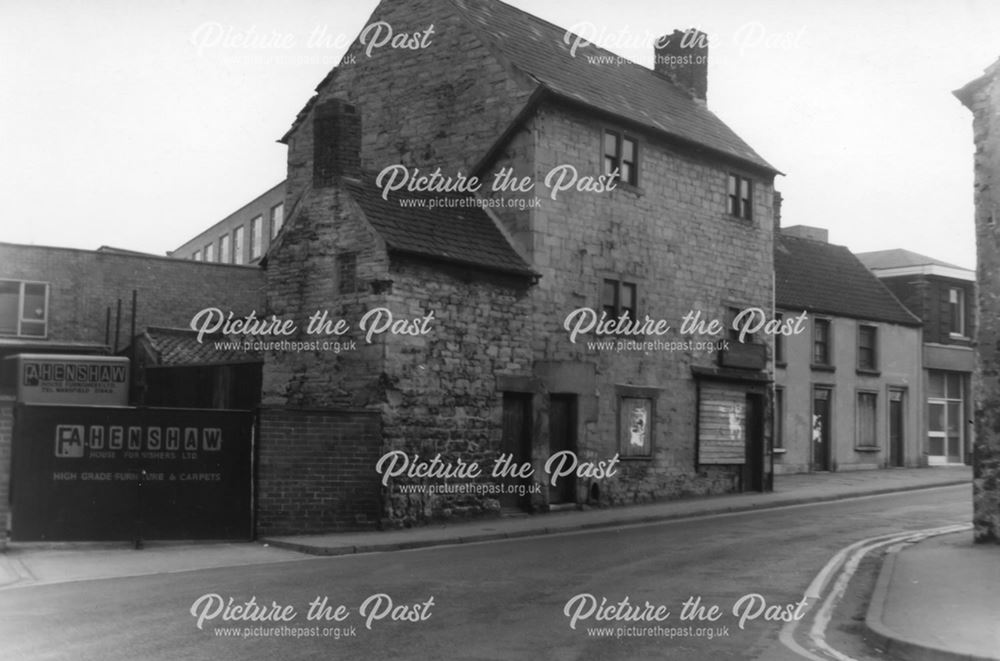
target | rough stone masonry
x=982, y=97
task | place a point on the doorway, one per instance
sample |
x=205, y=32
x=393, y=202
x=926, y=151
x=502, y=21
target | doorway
x=562, y=436
x=516, y=442
x=896, y=427
x=753, y=469
x=821, y=423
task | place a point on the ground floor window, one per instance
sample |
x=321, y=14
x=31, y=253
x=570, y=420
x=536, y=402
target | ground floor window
x=867, y=414
x=945, y=417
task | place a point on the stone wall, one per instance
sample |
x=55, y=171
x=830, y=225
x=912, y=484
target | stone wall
x=984, y=102
x=303, y=277
x=314, y=471
x=441, y=389
x=672, y=237
x=443, y=105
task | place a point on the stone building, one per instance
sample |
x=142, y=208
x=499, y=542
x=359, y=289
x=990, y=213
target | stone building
x=982, y=97
x=943, y=296
x=483, y=283
x=848, y=389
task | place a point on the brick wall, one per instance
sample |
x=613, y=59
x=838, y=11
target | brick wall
x=6, y=435
x=928, y=298
x=84, y=284
x=315, y=471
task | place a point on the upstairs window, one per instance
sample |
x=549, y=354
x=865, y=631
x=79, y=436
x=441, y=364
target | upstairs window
x=731, y=332
x=277, y=218
x=956, y=311
x=24, y=308
x=821, y=342
x=867, y=348
x=779, y=341
x=621, y=153
x=197, y=256
x=740, y=197
x=210, y=252
x=238, y=239
x=256, y=236
x=618, y=298
x=225, y=253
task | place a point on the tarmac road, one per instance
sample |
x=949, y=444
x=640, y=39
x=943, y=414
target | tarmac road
x=496, y=600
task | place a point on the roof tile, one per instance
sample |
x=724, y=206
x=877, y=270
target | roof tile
x=819, y=277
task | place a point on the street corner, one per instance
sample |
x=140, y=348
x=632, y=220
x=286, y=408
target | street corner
x=917, y=613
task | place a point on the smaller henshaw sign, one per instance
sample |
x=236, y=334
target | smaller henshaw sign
x=56, y=379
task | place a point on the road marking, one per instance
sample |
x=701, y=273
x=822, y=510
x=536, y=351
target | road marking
x=847, y=561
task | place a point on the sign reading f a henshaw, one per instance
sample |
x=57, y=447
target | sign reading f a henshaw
x=57, y=379
x=104, y=440
x=92, y=472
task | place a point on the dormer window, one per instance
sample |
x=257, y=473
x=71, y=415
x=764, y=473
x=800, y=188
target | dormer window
x=621, y=153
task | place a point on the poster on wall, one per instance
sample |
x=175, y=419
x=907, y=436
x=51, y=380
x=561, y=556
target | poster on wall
x=498, y=329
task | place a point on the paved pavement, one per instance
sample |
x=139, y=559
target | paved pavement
x=789, y=490
x=938, y=600
x=43, y=563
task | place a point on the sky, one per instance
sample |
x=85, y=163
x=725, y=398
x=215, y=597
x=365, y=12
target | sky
x=140, y=124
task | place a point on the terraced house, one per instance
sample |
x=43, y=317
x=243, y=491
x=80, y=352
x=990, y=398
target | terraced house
x=486, y=286
x=848, y=390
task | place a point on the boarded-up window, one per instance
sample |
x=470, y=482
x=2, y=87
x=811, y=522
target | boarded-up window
x=722, y=415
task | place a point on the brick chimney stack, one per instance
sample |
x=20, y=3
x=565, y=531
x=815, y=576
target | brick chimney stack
x=336, y=142
x=683, y=58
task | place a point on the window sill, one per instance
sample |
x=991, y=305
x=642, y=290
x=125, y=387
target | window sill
x=779, y=450
x=867, y=448
x=863, y=372
x=822, y=368
x=631, y=188
x=745, y=222
x=635, y=458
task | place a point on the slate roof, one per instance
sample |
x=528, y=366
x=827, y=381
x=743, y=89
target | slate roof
x=897, y=258
x=826, y=279
x=623, y=88
x=179, y=346
x=461, y=234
